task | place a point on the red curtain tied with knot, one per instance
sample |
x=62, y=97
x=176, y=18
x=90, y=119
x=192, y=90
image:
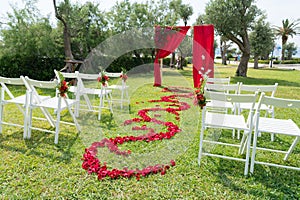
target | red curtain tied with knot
x=167, y=39
x=203, y=52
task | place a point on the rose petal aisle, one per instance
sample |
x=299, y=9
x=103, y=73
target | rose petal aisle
x=93, y=165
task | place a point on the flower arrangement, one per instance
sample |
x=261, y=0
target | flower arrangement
x=200, y=98
x=124, y=76
x=103, y=78
x=63, y=86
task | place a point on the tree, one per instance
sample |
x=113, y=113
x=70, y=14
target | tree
x=183, y=10
x=287, y=29
x=261, y=40
x=291, y=49
x=233, y=19
x=27, y=33
x=225, y=44
x=62, y=14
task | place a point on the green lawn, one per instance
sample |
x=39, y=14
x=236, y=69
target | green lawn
x=37, y=168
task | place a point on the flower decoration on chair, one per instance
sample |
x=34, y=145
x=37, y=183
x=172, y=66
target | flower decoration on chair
x=200, y=98
x=124, y=76
x=103, y=78
x=63, y=86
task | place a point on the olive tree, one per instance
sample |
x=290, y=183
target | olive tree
x=234, y=19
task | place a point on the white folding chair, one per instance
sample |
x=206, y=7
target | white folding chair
x=103, y=93
x=57, y=103
x=212, y=119
x=72, y=88
x=284, y=127
x=258, y=88
x=123, y=88
x=21, y=101
x=218, y=80
x=269, y=110
x=225, y=88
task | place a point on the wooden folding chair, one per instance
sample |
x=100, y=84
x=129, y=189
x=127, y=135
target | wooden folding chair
x=103, y=93
x=21, y=101
x=211, y=119
x=280, y=126
x=57, y=103
x=123, y=88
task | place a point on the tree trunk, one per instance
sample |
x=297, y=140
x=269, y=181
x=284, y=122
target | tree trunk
x=67, y=36
x=243, y=65
x=67, y=43
x=172, y=60
x=223, y=52
x=256, y=62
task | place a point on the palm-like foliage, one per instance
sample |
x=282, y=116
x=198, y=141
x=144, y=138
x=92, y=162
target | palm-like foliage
x=287, y=29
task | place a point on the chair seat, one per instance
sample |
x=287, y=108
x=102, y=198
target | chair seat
x=219, y=104
x=21, y=99
x=53, y=102
x=281, y=126
x=225, y=121
x=98, y=92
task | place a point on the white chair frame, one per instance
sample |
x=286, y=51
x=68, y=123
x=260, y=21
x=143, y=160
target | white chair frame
x=218, y=80
x=21, y=101
x=286, y=127
x=228, y=121
x=57, y=103
x=258, y=88
x=103, y=93
x=123, y=89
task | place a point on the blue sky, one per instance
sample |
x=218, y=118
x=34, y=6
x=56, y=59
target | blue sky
x=276, y=10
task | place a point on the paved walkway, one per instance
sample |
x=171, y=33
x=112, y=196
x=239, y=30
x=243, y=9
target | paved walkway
x=279, y=66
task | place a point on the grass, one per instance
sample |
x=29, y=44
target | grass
x=37, y=168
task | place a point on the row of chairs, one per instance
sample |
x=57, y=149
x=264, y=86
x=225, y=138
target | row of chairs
x=32, y=100
x=255, y=122
x=80, y=89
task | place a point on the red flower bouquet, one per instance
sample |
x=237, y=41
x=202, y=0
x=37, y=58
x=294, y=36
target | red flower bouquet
x=200, y=98
x=63, y=86
x=103, y=78
x=124, y=76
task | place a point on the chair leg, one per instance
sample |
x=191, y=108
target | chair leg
x=74, y=119
x=57, y=127
x=201, y=145
x=1, y=117
x=109, y=101
x=253, y=152
x=29, y=123
x=100, y=107
x=247, y=153
x=291, y=148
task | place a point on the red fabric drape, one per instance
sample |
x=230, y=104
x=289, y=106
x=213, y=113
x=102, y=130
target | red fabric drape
x=167, y=39
x=203, y=52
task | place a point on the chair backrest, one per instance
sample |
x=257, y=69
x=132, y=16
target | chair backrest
x=9, y=81
x=233, y=98
x=113, y=74
x=41, y=84
x=218, y=80
x=233, y=88
x=259, y=88
x=278, y=102
x=66, y=75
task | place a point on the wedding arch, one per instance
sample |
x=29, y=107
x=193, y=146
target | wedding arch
x=167, y=39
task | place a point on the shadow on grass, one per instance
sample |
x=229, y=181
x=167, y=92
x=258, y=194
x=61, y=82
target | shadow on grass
x=266, y=81
x=271, y=182
x=40, y=144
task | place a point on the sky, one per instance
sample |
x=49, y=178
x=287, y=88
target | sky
x=276, y=10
